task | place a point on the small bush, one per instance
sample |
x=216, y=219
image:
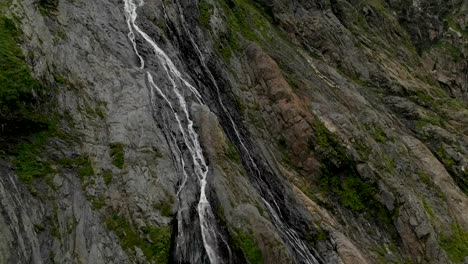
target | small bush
x=17, y=83
x=107, y=176
x=313, y=239
x=247, y=243
x=206, y=11
x=118, y=155
x=154, y=241
x=28, y=162
x=85, y=168
x=457, y=245
x=340, y=178
x=379, y=135
x=48, y=7
x=231, y=153
x=98, y=203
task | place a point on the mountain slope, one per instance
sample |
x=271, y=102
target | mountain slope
x=234, y=131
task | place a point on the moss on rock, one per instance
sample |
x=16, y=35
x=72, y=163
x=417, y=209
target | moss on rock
x=154, y=241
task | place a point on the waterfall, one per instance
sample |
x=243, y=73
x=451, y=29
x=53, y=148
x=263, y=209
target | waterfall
x=206, y=217
x=185, y=125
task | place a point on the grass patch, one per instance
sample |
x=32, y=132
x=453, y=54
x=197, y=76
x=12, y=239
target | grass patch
x=424, y=98
x=377, y=133
x=313, y=239
x=420, y=124
x=118, y=155
x=165, y=207
x=18, y=86
x=85, y=168
x=232, y=154
x=457, y=245
x=283, y=148
x=48, y=7
x=426, y=179
x=242, y=18
x=107, y=176
x=28, y=162
x=206, y=11
x=82, y=165
x=428, y=207
x=154, y=241
x=340, y=179
x=247, y=243
x=98, y=202
x=225, y=45
x=450, y=164
x=446, y=159
x=447, y=48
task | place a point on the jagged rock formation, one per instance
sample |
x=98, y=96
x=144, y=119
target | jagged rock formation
x=233, y=131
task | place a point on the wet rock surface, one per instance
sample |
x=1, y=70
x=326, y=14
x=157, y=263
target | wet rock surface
x=328, y=132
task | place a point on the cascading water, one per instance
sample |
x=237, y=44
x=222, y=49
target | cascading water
x=190, y=138
x=206, y=217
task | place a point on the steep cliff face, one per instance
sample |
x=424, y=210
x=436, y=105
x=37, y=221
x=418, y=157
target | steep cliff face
x=233, y=131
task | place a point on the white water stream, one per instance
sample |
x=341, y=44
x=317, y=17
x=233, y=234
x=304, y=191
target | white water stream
x=190, y=137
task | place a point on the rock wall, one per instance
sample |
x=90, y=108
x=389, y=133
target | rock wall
x=332, y=132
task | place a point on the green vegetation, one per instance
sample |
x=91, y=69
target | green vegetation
x=453, y=24
x=351, y=191
x=154, y=241
x=95, y=113
x=107, y=176
x=49, y=180
x=377, y=4
x=166, y=210
x=165, y=207
x=426, y=179
x=38, y=228
x=450, y=50
x=56, y=232
x=427, y=207
x=247, y=243
x=242, y=19
x=446, y=159
x=377, y=133
x=60, y=79
x=313, y=239
x=424, y=97
x=85, y=168
x=118, y=155
x=456, y=246
x=428, y=120
x=48, y=7
x=61, y=35
x=17, y=84
x=340, y=178
x=97, y=203
x=450, y=164
x=231, y=153
x=283, y=148
x=83, y=165
x=226, y=44
x=206, y=11
x=28, y=162
x=323, y=235
x=20, y=94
